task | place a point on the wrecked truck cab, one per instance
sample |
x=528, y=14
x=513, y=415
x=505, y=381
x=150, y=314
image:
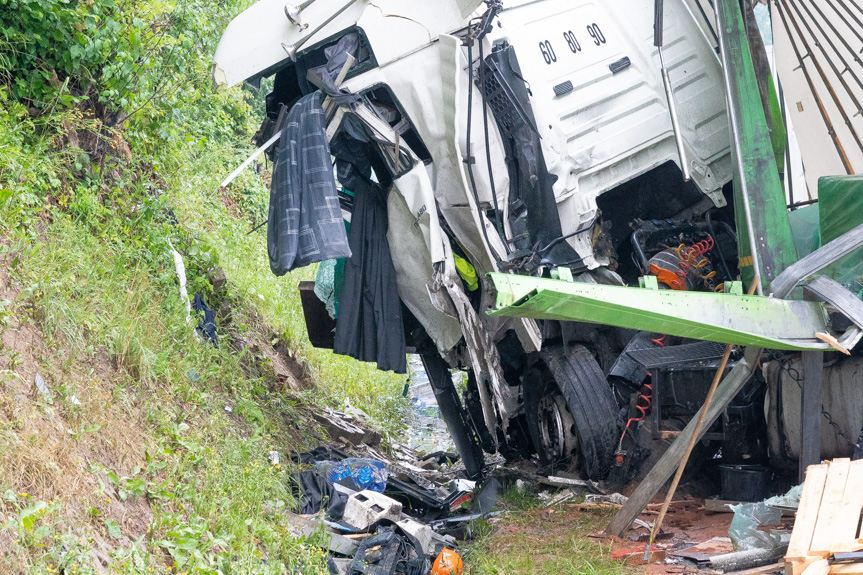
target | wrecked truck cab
x=530, y=138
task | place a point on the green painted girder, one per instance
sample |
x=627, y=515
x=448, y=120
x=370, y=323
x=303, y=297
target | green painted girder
x=738, y=319
x=772, y=230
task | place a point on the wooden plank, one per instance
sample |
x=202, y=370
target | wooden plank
x=849, y=514
x=798, y=567
x=819, y=567
x=831, y=504
x=807, y=513
x=847, y=546
x=847, y=569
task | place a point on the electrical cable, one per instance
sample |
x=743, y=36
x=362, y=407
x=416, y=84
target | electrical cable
x=498, y=213
x=642, y=406
x=469, y=159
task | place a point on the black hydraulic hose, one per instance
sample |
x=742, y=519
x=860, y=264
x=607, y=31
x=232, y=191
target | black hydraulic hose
x=835, y=49
x=469, y=159
x=824, y=116
x=498, y=213
x=847, y=23
x=820, y=70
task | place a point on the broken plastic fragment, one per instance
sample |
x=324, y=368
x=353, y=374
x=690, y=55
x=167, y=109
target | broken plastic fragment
x=43, y=389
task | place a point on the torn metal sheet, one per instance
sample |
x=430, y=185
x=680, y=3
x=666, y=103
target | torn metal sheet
x=481, y=349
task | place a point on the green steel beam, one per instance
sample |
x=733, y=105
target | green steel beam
x=738, y=319
x=756, y=175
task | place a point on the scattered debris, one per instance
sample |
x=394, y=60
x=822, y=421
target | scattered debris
x=302, y=527
x=367, y=508
x=702, y=552
x=615, y=498
x=448, y=563
x=355, y=473
x=42, y=387
x=749, y=558
x=343, y=427
x=591, y=486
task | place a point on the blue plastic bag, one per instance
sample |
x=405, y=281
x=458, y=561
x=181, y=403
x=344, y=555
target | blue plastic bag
x=366, y=473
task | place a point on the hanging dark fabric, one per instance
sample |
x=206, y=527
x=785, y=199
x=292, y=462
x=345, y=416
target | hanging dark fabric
x=370, y=326
x=305, y=220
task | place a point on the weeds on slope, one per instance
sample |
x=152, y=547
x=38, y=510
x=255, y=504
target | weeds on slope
x=213, y=499
x=202, y=208
x=133, y=464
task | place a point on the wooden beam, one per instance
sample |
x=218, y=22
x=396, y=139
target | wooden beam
x=807, y=513
x=831, y=504
x=849, y=514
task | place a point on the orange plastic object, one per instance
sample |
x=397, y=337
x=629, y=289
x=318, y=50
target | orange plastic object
x=668, y=278
x=448, y=563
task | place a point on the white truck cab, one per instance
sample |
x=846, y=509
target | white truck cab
x=537, y=136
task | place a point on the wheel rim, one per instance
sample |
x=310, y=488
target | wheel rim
x=556, y=427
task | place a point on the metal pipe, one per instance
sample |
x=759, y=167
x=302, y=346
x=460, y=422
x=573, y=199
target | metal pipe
x=824, y=116
x=735, y=138
x=291, y=49
x=821, y=72
x=675, y=124
x=658, y=29
x=293, y=12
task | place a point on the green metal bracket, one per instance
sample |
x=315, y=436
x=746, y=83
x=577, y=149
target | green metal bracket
x=734, y=287
x=648, y=282
x=737, y=319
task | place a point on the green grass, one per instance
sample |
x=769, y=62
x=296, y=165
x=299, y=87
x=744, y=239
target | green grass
x=201, y=208
x=134, y=457
x=534, y=539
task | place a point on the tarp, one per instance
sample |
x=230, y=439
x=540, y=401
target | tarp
x=840, y=206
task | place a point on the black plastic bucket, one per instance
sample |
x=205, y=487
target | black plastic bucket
x=744, y=482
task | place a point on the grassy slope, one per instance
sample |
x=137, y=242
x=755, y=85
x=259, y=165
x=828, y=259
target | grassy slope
x=133, y=465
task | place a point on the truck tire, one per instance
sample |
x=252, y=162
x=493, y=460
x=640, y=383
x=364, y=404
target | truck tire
x=455, y=416
x=573, y=373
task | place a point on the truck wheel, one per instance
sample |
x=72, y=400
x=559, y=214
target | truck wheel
x=455, y=416
x=549, y=421
x=571, y=410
